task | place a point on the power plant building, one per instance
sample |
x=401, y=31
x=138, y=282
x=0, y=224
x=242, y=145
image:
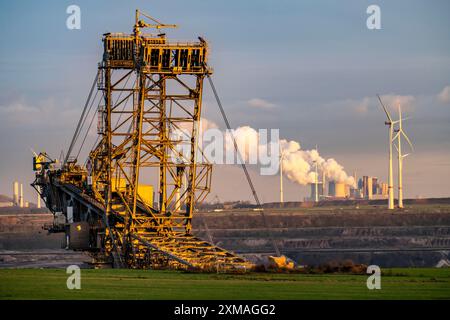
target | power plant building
x=338, y=189
x=313, y=191
x=367, y=187
x=384, y=189
x=375, y=186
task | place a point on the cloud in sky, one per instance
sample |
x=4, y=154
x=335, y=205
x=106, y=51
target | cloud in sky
x=364, y=106
x=391, y=101
x=21, y=112
x=444, y=95
x=324, y=80
x=261, y=103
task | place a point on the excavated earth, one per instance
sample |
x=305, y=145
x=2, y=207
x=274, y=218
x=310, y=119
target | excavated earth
x=418, y=236
x=24, y=243
x=415, y=237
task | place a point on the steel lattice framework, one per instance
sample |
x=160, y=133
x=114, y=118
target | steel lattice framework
x=139, y=132
x=148, y=126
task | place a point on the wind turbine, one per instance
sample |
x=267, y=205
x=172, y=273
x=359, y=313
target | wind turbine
x=398, y=136
x=281, y=175
x=391, y=124
x=316, y=181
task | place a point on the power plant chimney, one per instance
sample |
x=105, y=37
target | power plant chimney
x=21, y=196
x=16, y=193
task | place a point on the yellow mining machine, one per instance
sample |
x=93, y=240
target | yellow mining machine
x=150, y=91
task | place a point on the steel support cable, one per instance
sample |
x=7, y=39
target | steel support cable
x=81, y=118
x=244, y=167
x=87, y=131
x=80, y=124
x=86, y=116
x=84, y=121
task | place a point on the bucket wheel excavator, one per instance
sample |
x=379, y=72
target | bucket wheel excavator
x=148, y=118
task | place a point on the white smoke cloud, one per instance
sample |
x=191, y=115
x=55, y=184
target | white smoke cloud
x=444, y=95
x=299, y=165
x=183, y=129
x=204, y=125
x=247, y=140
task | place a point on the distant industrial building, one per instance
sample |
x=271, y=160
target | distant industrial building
x=366, y=188
x=338, y=189
x=384, y=189
x=320, y=191
x=372, y=188
x=356, y=193
x=18, y=199
x=5, y=202
x=374, y=185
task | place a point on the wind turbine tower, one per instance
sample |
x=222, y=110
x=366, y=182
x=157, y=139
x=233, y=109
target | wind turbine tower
x=390, y=123
x=281, y=176
x=399, y=134
x=316, y=183
x=317, y=178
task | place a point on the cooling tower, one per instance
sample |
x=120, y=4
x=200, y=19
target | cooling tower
x=339, y=189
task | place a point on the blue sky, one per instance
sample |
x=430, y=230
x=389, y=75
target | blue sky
x=315, y=61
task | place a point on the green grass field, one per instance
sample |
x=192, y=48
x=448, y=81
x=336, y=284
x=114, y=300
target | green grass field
x=142, y=284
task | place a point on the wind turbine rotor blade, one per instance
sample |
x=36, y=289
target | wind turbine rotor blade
x=396, y=136
x=395, y=145
x=407, y=139
x=385, y=110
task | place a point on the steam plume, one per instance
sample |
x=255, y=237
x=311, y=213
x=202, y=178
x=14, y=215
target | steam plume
x=298, y=164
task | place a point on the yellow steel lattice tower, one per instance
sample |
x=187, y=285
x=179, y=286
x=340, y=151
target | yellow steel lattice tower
x=149, y=124
x=137, y=192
